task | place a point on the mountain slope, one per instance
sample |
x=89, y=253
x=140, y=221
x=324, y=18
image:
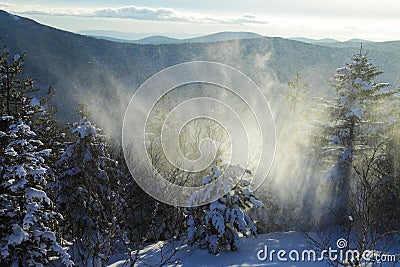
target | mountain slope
x=105, y=74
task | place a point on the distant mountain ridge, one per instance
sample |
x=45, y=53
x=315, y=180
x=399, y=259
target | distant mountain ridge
x=157, y=39
x=110, y=34
x=129, y=36
x=161, y=39
x=313, y=41
x=145, y=38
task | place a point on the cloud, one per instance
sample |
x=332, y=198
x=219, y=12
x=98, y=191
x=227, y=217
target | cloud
x=142, y=13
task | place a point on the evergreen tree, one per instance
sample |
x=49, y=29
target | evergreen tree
x=26, y=213
x=358, y=115
x=87, y=196
x=217, y=224
x=15, y=87
x=47, y=128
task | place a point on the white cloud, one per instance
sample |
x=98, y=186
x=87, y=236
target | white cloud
x=141, y=13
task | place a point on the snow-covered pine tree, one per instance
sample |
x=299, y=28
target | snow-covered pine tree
x=47, y=128
x=216, y=225
x=87, y=196
x=26, y=213
x=15, y=87
x=358, y=126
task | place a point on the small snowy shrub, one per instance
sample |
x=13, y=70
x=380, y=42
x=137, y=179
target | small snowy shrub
x=218, y=224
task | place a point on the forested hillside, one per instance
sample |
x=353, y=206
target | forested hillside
x=109, y=71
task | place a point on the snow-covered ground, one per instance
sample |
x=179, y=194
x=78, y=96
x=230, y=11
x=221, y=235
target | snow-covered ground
x=246, y=255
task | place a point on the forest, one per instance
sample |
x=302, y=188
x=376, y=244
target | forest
x=68, y=197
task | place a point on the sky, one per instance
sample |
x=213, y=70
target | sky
x=338, y=19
